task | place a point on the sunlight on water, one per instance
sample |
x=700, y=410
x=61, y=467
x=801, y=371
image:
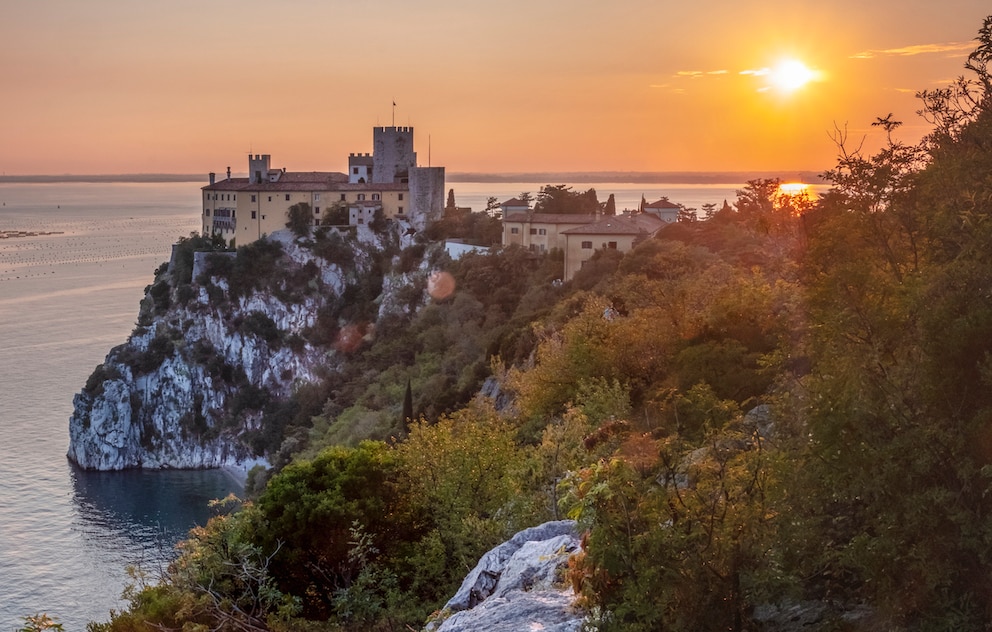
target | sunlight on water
x=67, y=536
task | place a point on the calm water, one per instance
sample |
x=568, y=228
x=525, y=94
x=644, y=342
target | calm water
x=66, y=536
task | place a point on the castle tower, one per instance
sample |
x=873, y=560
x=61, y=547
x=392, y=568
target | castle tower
x=360, y=168
x=258, y=168
x=393, y=154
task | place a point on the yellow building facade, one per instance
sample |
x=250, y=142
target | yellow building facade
x=389, y=181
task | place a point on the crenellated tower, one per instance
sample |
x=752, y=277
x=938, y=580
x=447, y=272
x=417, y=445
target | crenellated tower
x=392, y=154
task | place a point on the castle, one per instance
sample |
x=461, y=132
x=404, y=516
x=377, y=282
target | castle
x=242, y=210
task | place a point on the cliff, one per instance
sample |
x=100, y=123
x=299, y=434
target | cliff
x=220, y=344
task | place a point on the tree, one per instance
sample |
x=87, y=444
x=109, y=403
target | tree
x=493, y=207
x=560, y=198
x=407, y=406
x=451, y=199
x=709, y=209
x=687, y=214
x=526, y=198
x=611, y=206
x=300, y=219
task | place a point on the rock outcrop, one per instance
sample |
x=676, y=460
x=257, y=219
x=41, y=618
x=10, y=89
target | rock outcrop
x=189, y=387
x=519, y=585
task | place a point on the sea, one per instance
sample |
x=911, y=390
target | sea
x=74, y=261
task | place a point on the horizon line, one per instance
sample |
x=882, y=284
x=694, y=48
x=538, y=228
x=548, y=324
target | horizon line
x=613, y=177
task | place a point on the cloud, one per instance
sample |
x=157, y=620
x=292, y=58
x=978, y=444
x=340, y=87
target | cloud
x=918, y=49
x=692, y=74
x=759, y=72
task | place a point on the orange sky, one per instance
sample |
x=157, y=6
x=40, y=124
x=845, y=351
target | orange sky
x=118, y=86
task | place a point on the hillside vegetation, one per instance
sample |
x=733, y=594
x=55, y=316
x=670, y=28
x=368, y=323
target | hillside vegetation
x=789, y=403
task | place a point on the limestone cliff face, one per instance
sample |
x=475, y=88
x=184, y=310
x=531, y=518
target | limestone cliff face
x=189, y=387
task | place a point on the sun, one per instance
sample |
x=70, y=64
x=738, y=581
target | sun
x=790, y=75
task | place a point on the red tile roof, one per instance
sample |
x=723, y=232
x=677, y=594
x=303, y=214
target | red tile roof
x=550, y=218
x=662, y=203
x=303, y=181
x=642, y=224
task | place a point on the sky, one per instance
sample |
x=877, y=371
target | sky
x=119, y=86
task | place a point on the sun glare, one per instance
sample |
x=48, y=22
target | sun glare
x=793, y=188
x=791, y=74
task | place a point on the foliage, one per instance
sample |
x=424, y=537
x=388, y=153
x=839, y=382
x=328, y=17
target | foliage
x=311, y=507
x=559, y=198
x=39, y=623
x=679, y=538
x=481, y=229
x=300, y=219
x=460, y=475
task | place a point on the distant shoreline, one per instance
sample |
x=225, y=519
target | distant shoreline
x=108, y=178
x=537, y=177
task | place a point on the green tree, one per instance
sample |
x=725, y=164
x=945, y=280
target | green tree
x=560, y=198
x=451, y=199
x=300, y=219
x=461, y=475
x=311, y=506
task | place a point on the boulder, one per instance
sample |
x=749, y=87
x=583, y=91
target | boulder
x=518, y=585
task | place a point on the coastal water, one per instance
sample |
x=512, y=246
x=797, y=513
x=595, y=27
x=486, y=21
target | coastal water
x=70, y=283
x=67, y=297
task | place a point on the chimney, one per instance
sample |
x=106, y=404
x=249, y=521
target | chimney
x=213, y=177
x=228, y=173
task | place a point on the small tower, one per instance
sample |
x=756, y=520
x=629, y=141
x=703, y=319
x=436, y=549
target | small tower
x=359, y=168
x=258, y=168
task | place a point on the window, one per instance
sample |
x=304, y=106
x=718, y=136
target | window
x=361, y=197
x=612, y=245
x=206, y=212
x=270, y=198
x=316, y=210
x=399, y=210
x=253, y=198
x=375, y=196
x=263, y=217
x=533, y=231
x=587, y=245
x=401, y=197
x=235, y=197
x=254, y=215
x=343, y=197
x=355, y=170
x=215, y=196
x=542, y=231
x=514, y=231
x=316, y=222
x=287, y=197
x=316, y=197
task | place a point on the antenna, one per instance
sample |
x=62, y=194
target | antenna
x=428, y=150
x=394, y=112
